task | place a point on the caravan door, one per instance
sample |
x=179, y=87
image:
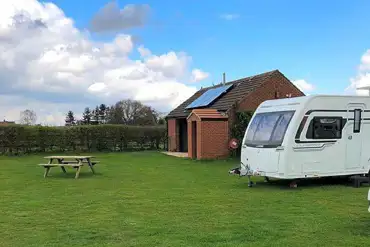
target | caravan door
x=353, y=136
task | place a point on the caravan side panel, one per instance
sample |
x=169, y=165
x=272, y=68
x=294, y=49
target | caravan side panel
x=325, y=142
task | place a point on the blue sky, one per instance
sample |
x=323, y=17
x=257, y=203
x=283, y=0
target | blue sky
x=318, y=41
x=61, y=55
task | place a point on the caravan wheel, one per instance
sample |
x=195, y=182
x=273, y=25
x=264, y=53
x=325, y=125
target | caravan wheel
x=293, y=184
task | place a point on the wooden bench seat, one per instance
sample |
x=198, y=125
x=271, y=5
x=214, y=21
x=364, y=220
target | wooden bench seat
x=48, y=166
x=69, y=161
x=61, y=165
x=75, y=162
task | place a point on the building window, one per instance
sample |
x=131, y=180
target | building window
x=325, y=128
x=357, y=123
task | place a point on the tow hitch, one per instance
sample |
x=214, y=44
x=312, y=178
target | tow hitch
x=235, y=171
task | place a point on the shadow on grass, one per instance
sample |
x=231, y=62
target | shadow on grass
x=360, y=227
x=71, y=175
x=283, y=184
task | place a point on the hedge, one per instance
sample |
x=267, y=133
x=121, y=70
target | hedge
x=17, y=139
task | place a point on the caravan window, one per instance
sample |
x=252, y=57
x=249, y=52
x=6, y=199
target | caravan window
x=325, y=128
x=357, y=123
x=268, y=129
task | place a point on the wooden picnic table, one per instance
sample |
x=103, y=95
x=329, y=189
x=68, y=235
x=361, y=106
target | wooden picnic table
x=69, y=161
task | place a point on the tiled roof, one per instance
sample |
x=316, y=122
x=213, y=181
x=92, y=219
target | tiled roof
x=208, y=113
x=241, y=89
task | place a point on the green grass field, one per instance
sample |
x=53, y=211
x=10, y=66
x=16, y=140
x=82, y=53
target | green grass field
x=149, y=199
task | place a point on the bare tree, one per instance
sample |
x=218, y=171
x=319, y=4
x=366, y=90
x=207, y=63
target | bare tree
x=28, y=117
x=132, y=112
x=147, y=116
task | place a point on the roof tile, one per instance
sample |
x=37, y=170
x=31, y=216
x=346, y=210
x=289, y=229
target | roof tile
x=241, y=88
x=208, y=113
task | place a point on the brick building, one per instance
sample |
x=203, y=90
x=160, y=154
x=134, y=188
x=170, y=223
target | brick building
x=201, y=124
x=6, y=123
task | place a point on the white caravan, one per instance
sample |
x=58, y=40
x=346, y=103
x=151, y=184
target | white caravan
x=368, y=198
x=309, y=136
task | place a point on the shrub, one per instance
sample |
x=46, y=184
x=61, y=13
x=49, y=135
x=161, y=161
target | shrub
x=30, y=139
x=238, y=129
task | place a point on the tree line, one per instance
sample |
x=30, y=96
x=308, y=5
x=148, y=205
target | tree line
x=127, y=112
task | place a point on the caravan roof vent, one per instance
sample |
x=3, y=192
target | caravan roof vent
x=364, y=88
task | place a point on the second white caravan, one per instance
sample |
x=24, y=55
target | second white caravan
x=309, y=136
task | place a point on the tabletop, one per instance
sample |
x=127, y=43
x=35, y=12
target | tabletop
x=68, y=157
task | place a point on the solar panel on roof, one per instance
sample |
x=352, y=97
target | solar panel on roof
x=208, y=97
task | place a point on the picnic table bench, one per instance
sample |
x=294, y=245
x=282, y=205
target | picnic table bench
x=69, y=161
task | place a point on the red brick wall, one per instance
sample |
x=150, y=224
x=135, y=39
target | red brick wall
x=6, y=123
x=172, y=135
x=267, y=91
x=190, y=140
x=214, y=139
x=190, y=136
x=199, y=140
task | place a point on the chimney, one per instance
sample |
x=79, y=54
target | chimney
x=223, y=78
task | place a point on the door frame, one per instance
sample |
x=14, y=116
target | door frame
x=194, y=139
x=183, y=135
x=352, y=136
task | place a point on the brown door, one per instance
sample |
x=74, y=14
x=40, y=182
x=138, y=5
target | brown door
x=194, y=138
x=183, y=136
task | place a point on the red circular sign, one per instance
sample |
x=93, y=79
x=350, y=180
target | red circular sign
x=233, y=143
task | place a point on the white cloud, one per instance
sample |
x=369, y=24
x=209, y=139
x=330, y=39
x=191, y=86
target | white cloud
x=44, y=56
x=362, y=79
x=358, y=82
x=198, y=75
x=172, y=64
x=97, y=87
x=230, y=17
x=144, y=52
x=365, y=61
x=304, y=86
x=47, y=113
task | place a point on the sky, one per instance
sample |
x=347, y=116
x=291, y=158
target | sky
x=61, y=55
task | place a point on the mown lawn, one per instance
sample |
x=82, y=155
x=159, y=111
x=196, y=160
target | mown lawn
x=149, y=199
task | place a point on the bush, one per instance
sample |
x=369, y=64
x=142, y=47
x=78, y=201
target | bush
x=17, y=139
x=238, y=129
